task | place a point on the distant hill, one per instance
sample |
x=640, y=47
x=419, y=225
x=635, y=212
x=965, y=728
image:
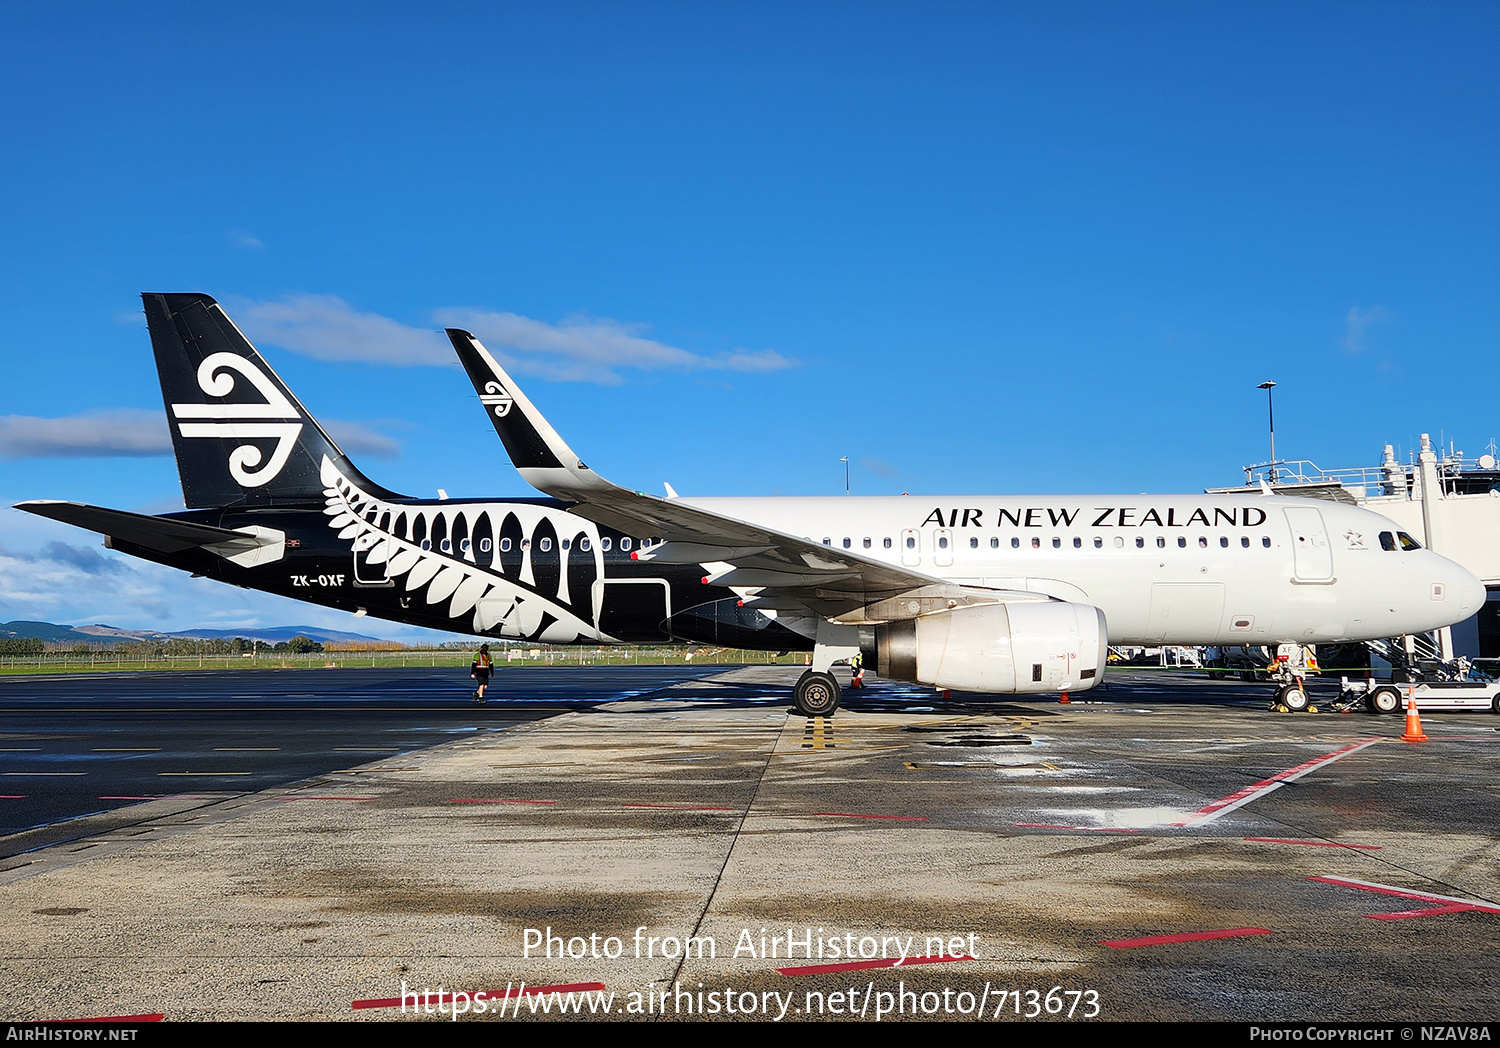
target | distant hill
x=98, y=633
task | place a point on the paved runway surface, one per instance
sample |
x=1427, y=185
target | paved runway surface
x=76, y=744
x=1166, y=850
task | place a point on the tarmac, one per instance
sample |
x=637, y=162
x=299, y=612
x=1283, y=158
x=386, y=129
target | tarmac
x=1163, y=849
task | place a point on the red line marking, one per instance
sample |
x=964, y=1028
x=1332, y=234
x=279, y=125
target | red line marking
x=855, y=966
x=856, y=815
x=1319, y=844
x=1062, y=826
x=1244, y=796
x=147, y=1017
x=18, y=797
x=1442, y=901
x=1159, y=940
x=1401, y=915
x=680, y=807
x=492, y=800
x=489, y=995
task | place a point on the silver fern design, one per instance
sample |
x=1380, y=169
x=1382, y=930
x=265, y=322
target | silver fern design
x=440, y=549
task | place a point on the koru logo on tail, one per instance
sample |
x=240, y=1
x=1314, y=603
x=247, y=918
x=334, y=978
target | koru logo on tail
x=495, y=396
x=254, y=421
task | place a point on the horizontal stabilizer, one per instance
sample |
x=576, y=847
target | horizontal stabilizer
x=162, y=534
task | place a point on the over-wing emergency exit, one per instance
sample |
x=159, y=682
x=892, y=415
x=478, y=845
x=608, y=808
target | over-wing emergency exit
x=997, y=594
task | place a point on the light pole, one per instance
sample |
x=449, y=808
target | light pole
x=845, y=461
x=1271, y=416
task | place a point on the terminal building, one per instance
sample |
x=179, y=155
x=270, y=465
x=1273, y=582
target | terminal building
x=1451, y=502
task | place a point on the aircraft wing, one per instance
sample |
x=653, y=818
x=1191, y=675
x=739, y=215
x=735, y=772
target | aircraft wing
x=769, y=567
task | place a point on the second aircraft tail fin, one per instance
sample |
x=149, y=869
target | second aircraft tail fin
x=541, y=456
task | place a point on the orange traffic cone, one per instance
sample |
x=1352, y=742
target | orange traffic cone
x=1063, y=700
x=1413, y=731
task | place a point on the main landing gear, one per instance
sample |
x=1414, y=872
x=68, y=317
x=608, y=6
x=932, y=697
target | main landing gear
x=816, y=694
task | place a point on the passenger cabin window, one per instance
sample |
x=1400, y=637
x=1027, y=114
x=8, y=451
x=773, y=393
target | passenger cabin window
x=1182, y=542
x=942, y=542
x=886, y=542
x=1036, y=543
x=911, y=542
x=464, y=545
x=625, y=543
x=1077, y=542
x=427, y=544
x=605, y=543
x=1265, y=540
x=584, y=545
x=1161, y=542
x=484, y=545
x=1140, y=543
x=1119, y=542
x=565, y=543
x=994, y=543
x=848, y=542
x=867, y=542
x=1203, y=542
x=1223, y=541
x=447, y=546
x=505, y=545
x=525, y=543
x=546, y=545
x=1056, y=542
x=826, y=541
x=1098, y=542
x=1015, y=543
x=973, y=542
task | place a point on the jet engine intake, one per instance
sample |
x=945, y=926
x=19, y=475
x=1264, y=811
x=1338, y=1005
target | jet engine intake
x=1012, y=649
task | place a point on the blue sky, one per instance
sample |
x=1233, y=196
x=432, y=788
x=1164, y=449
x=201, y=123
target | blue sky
x=975, y=247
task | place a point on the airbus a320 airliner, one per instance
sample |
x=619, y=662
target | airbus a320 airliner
x=996, y=594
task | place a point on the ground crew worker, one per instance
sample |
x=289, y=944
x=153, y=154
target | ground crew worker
x=857, y=664
x=482, y=666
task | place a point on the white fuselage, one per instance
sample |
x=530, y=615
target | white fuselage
x=1175, y=569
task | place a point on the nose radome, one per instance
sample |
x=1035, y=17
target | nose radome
x=1469, y=590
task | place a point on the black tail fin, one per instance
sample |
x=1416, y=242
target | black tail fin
x=241, y=437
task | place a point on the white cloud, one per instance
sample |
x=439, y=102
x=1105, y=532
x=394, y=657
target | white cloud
x=135, y=432
x=122, y=432
x=577, y=349
x=240, y=238
x=358, y=439
x=584, y=349
x=325, y=327
x=1357, y=325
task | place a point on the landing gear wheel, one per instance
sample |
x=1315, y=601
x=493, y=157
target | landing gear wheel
x=1385, y=700
x=816, y=694
x=1293, y=697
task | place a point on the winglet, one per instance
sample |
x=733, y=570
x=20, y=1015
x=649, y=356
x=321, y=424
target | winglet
x=541, y=456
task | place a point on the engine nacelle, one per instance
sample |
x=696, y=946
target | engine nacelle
x=1012, y=649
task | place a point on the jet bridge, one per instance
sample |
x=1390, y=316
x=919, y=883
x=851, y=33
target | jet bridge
x=1448, y=499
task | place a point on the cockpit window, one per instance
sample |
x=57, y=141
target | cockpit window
x=1387, y=542
x=1407, y=542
